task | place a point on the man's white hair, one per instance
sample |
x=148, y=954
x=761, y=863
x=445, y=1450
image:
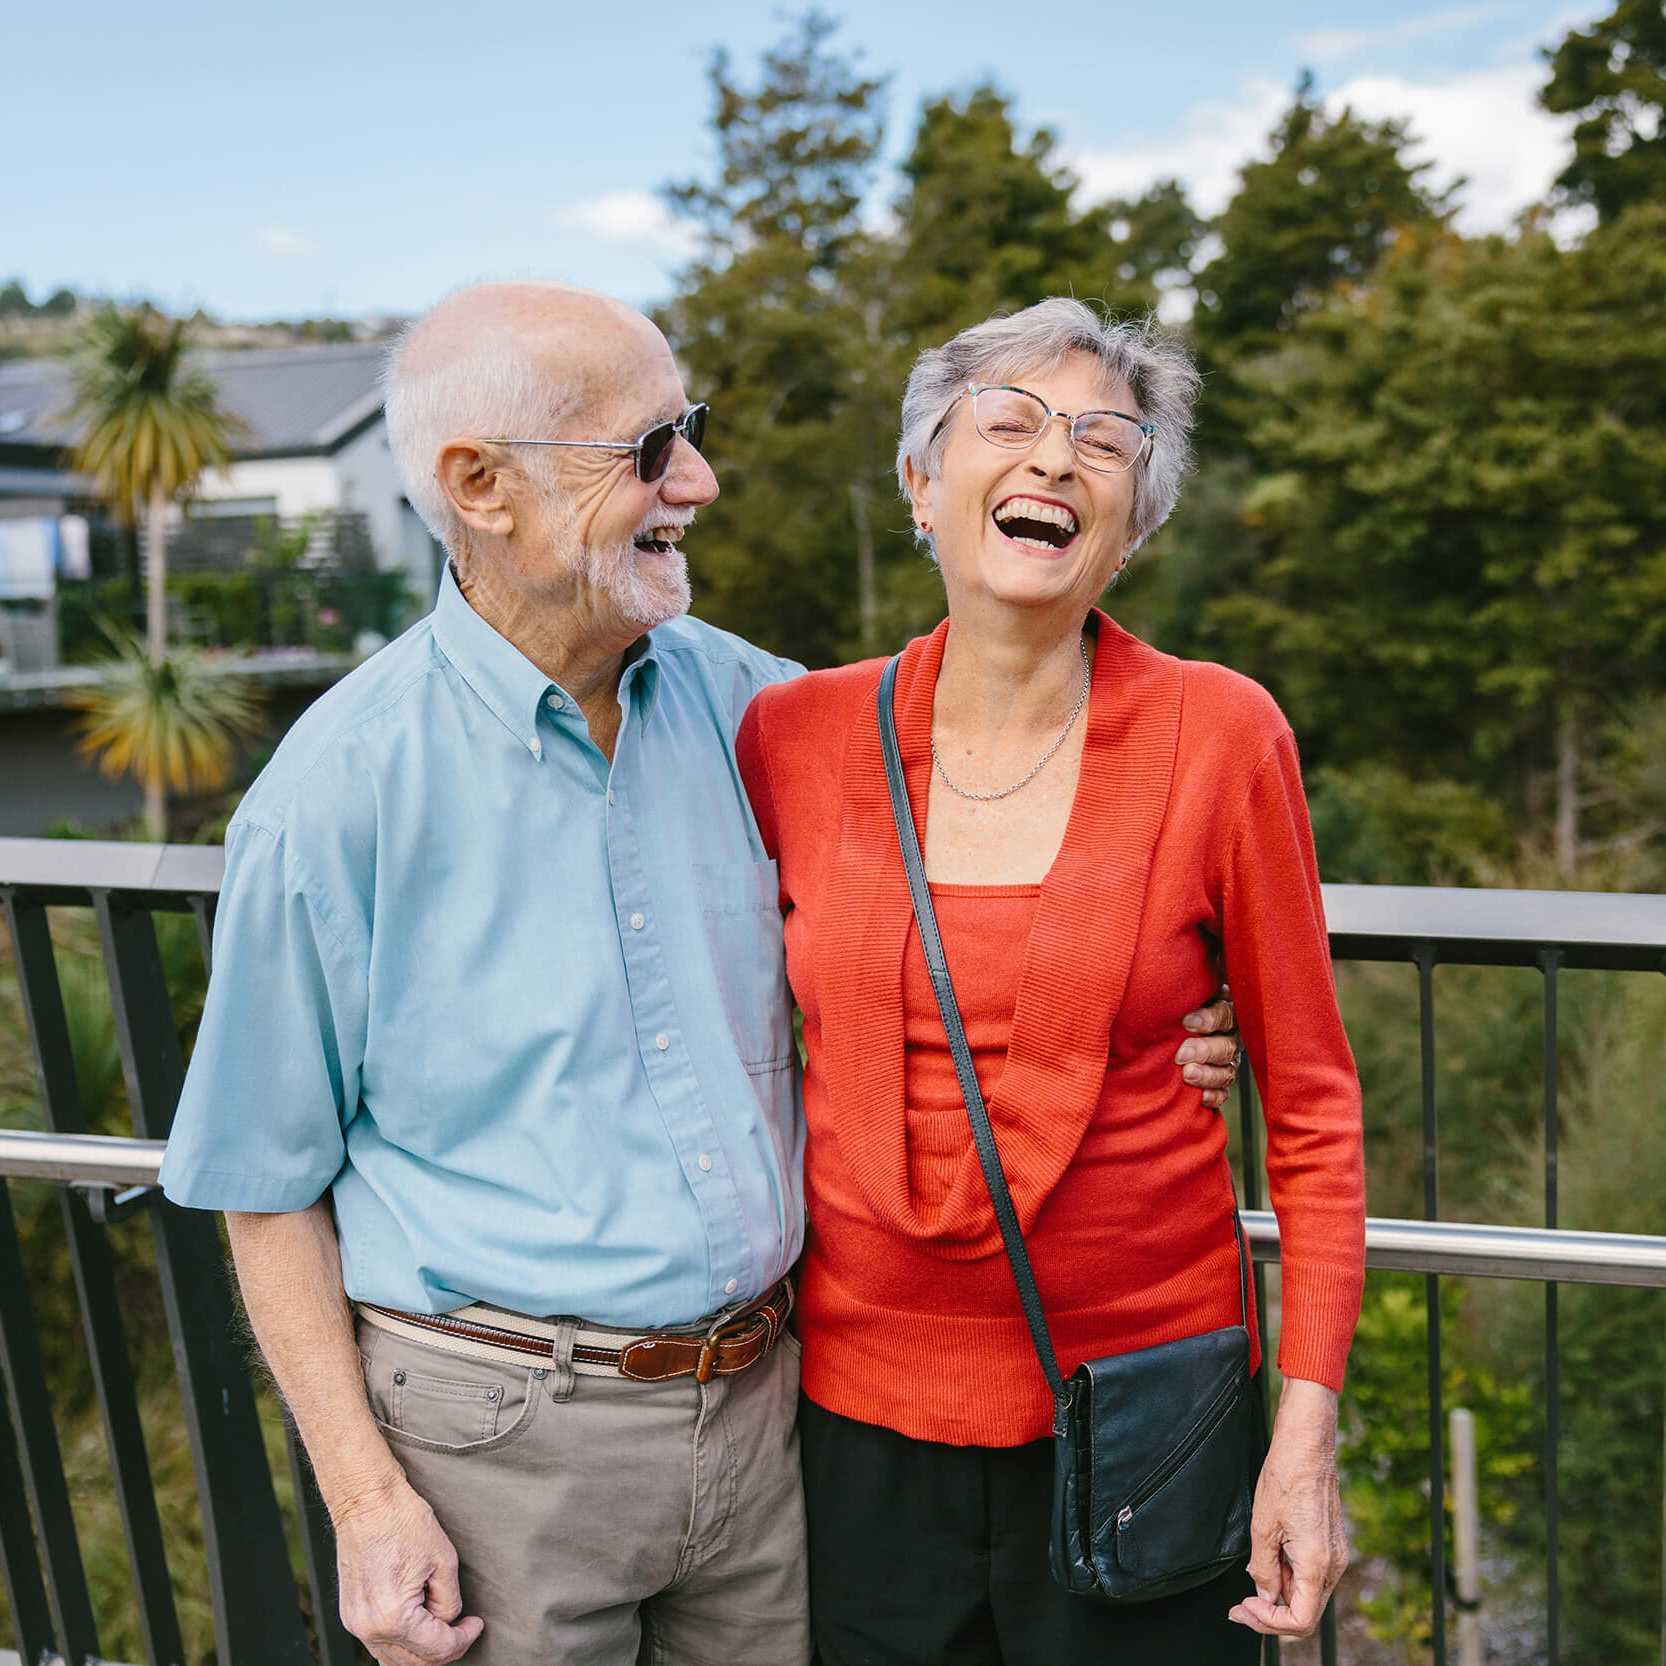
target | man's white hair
x=495, y=389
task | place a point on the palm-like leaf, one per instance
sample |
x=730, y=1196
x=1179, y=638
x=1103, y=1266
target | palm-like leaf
x=150, y=421
x=176, y=723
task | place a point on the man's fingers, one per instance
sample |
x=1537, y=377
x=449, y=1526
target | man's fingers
x=445, y=1596
x=1217, y=1016
x=418, y=1639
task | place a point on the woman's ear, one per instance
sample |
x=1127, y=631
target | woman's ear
x=476, y=487
x=919, y=492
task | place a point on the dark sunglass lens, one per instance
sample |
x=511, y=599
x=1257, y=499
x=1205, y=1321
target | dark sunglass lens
x=653, y=455
x=694, y=426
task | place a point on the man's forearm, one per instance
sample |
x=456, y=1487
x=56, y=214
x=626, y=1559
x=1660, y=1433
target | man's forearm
x=289, y=1268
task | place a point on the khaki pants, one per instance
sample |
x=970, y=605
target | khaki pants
x=604, y=1522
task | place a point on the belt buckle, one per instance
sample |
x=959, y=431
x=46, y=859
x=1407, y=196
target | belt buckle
x=728, y=1329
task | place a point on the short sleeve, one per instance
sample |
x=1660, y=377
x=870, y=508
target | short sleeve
x=1277, y=953
x=274, y=1077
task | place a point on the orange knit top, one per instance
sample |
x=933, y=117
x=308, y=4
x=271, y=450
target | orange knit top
x=1187, y=853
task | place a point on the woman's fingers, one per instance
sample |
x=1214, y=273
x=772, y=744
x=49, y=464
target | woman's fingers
x=1299, y=1547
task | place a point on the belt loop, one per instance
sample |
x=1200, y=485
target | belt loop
x=559, y=1383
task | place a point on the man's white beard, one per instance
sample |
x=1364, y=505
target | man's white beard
x=647, y=588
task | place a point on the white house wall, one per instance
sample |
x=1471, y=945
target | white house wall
x=360, y=476
x=370, y=484
x=297, y=485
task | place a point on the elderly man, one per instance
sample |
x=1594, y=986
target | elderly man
x=495, y=1081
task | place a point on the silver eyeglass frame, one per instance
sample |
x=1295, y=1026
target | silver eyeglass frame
x=975, y=388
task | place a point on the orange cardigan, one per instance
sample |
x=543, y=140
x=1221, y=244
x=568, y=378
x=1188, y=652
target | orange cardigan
x=1187, y=853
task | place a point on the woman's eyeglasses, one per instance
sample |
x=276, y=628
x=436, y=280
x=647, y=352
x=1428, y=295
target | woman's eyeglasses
x=651, y=451
x=1106, y=441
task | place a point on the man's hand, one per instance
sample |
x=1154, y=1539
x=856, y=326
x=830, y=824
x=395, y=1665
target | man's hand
x=1211, y=1056
x=1298, y=1544
x=397, y=1573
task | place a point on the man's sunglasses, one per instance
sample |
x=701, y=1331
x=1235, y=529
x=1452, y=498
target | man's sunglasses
x=651, y=451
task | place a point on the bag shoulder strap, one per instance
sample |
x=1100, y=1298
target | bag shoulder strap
x=983, y=1136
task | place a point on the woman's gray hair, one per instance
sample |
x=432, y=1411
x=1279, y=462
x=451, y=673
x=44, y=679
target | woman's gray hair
x=1154, y=368
x=495, y=388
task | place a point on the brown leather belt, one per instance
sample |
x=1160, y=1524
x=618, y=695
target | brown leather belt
x=731, y=1343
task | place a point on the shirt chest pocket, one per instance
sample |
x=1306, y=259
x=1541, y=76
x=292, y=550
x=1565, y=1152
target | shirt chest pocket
x=741, y=918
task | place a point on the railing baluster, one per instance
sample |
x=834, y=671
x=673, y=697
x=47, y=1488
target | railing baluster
x=1250, y=1160
x=203, y=909
x=256, y=1614
x=1425, y=957
x=43, y=1012
x=43, y=1461
x=1550, y=962
x=20, y=1559
x=335, y=1641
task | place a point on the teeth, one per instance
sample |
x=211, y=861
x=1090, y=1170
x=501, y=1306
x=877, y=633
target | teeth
x=1033, y=509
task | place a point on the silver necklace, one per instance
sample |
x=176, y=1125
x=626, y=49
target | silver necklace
x=1069, y=724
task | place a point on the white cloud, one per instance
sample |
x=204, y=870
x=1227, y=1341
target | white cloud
x=1484, y=125
x=631, y=217
x=1324, y=46
x=1215, y=139
x=282, y=243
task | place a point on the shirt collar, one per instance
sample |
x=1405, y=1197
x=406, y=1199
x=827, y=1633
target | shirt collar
x=506, y=680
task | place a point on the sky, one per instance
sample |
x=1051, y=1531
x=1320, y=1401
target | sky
x=364, y=157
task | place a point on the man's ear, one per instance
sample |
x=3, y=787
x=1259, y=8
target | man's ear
x=919, y=492
x=477, y=486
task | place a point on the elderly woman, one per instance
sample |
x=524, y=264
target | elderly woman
x=1105, y=830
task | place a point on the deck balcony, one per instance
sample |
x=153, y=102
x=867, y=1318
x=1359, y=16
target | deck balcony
x=267, y=1572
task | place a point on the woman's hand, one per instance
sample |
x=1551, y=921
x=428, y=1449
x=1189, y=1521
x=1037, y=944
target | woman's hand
x=1298, y=1543
x=1211, y=1057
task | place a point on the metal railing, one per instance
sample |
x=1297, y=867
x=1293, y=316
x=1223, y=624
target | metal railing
x=1552, y=932
x=105, y=1181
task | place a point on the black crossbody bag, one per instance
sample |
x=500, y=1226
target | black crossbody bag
x=1156, y=1452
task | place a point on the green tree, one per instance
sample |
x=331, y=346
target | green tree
x=1158, y=236
x=1612, y=76
x=1319, y=212
x=150, y=426
x=987, y=222
x=771, y=324
x=1467, y=514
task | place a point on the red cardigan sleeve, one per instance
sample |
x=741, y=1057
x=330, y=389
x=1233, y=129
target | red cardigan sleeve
x=753, y=759
x=1277, y=955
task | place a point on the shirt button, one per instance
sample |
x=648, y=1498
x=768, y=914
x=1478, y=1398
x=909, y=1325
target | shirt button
x=535, y=749
x=731, y=1287
x=610, y=795
x=637, y=922
x=705, y=1162
x=554, y=701
x=662, y=1042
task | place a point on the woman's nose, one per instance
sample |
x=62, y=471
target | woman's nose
x=1054, y=452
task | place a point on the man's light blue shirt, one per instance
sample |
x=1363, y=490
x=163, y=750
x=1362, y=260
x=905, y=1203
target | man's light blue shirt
x=524, y=1015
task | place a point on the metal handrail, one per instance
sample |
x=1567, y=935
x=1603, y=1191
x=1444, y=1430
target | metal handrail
x=1479, y=926
x=1477, y=1250
x=84, y=1159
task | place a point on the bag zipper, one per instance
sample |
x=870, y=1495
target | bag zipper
x=1201, y=1431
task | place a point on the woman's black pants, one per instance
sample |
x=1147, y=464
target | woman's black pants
x=929, y=1555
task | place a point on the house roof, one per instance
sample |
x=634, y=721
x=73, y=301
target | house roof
x=291, y=400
